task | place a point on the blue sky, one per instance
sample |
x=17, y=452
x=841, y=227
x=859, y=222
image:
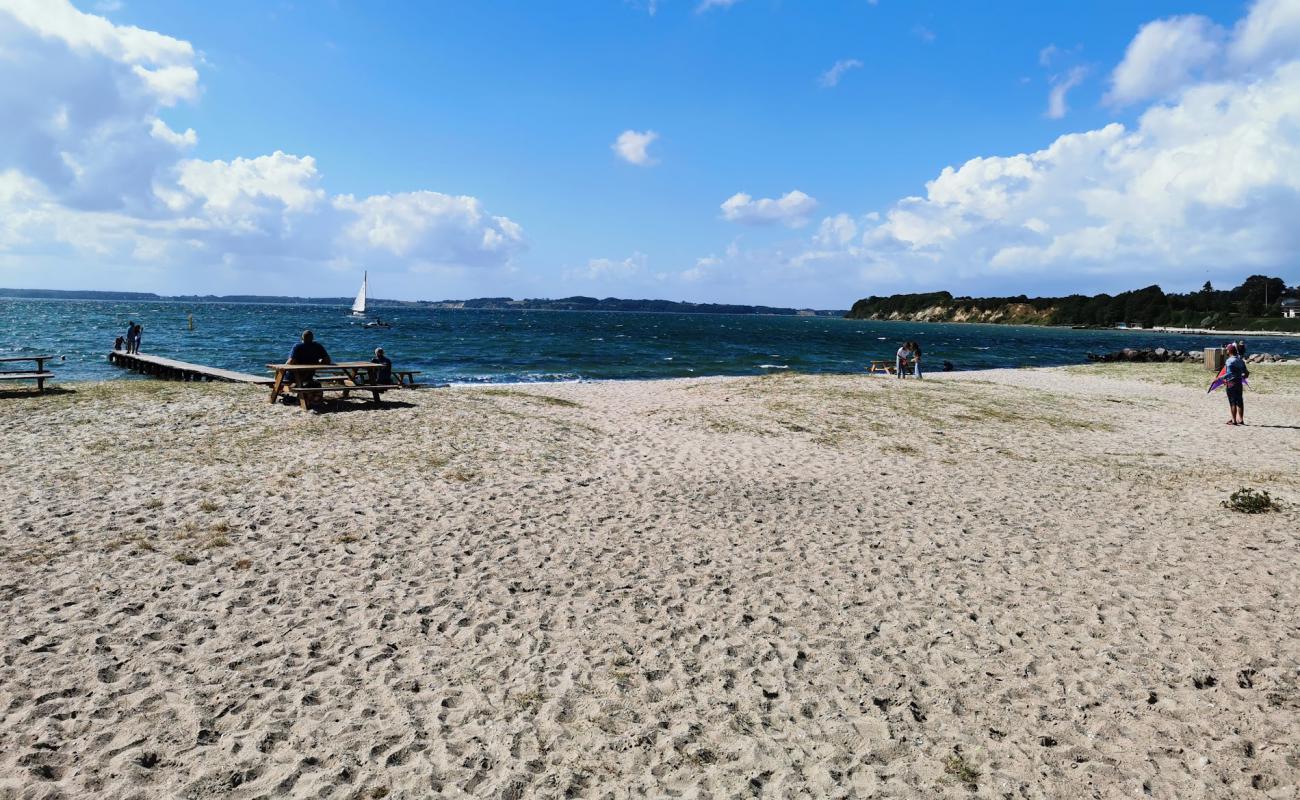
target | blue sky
x=436, y=121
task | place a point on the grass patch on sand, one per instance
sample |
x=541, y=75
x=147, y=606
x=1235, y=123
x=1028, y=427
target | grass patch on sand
x=544, y=399
x=528, y=701
x=962, y=770
x=843, y=411
x=1264, y=378
x=1251, y=501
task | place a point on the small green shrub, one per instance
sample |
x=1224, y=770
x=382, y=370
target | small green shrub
x=962, y=770
x=1250, y=501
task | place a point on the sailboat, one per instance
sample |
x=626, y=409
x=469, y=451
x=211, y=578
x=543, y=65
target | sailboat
x=359, y=305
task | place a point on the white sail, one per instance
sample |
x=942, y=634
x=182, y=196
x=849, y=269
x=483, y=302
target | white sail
x=359, y=305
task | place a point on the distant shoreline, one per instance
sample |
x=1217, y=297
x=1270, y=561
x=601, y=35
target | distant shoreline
x=575, y=303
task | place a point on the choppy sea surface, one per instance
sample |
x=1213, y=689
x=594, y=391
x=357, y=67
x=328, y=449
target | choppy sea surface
x=462, y=346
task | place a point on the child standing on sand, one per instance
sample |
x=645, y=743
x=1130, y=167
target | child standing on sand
x=1233, y=384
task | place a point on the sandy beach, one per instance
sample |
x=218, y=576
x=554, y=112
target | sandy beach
x=1011, y=584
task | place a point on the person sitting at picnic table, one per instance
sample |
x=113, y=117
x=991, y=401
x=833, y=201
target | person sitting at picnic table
x=308, y=351
x=385, y=374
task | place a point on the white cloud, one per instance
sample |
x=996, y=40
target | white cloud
x=706, y=5
x=702, y=269
x=602, y=269
x=924, y=34
x=1212, y=179
x=1270, y=31
x=831, y=77
x=431, y=227
x=791, y=209
x=1208, y=177
x=1164, y=55
x=631, y=147
x=1170, y=54
x=90, y=173
x=1061, y=85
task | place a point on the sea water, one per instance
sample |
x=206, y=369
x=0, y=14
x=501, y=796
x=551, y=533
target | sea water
x=470, y=346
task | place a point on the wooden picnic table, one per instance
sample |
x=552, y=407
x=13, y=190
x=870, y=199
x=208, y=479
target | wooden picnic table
x=40, y=375
x=883, y=367
x=345, y=377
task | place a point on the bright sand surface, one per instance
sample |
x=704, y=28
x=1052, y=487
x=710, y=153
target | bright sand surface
x=1005, y=584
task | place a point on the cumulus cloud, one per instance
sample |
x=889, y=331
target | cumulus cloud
x=1170, y=54
x=1269, y=32
x=599, y=269
x=1163, y=56
x=791, y=209
x=1207, y=177
x=1210, y=180
x=831, y=77
x=90, y=170
x=631, y=146
x=1061, y=85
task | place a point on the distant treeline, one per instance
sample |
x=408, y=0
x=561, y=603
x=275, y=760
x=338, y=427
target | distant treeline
x=580, y=303
x=1256, y=303
x=577, y=303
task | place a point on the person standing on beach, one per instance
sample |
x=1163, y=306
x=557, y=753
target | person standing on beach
x=1233, y=385
x=916, y=359
x=902, y=359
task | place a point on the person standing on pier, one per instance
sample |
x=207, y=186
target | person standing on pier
x=139, y=331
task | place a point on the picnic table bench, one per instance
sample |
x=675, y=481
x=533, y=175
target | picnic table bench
x=345, y=377
x=40, y=375
x=406, y=377
x=882, y=367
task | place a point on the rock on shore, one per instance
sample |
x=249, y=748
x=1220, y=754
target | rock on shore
x=1160, y=354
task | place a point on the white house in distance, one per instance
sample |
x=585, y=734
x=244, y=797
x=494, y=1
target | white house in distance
x=1290, y=307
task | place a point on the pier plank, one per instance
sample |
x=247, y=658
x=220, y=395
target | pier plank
x=170, y=367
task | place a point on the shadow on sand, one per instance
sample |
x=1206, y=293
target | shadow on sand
x=345, y=407
x=14, y=394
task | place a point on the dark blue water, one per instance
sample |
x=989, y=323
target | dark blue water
x=459, y=346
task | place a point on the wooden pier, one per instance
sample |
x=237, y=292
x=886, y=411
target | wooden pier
x=170, y=369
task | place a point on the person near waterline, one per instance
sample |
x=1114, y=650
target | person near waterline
x=139, y=332
x=130, y=335
x=1235, y=374
x=902, y=359
x=385, y=374
x=909, y=355
x=307, y=351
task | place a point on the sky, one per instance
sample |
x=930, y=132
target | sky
x=744, y=151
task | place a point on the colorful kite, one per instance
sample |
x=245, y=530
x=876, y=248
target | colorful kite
x=1221, y=379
